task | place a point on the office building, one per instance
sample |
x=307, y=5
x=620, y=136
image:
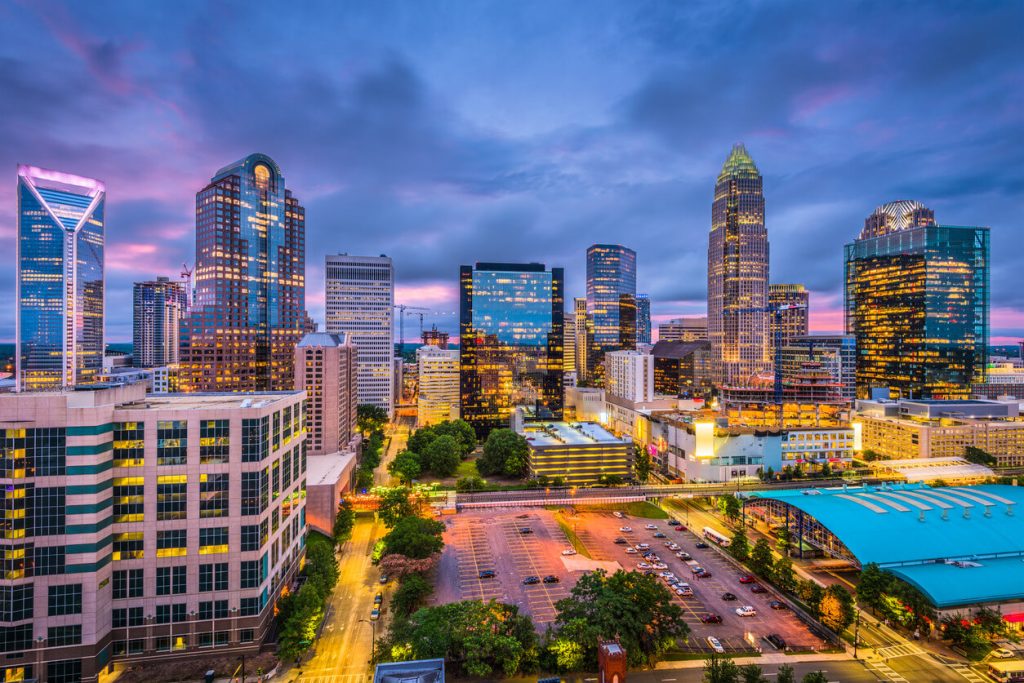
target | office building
x=569, y=350
x=325, y=368
x=789, y=304
x=643, y=319
x=836, y=353
x=917, y=302
x=158, y=309
x=810, y=398
x=738, y=326
x=684, y=330
x=438, y=398
x=143, y=528
x=629, y=375
x=435, y=337
x=682, y=368
x=580, y=453
x=611, y=299
x=584, y=331
x=61, y=227
x=510, y=332
x=360, y=304
x=250, y=288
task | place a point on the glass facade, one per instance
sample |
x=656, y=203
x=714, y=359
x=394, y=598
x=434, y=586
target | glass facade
x=60, y=279
x=643, y=319
x=511, y=326
x=159, y=307
x=611, y=300
x=917, y=302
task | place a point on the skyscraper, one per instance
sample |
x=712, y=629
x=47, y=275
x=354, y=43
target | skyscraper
x=791, y=320
x=510, y=332
x=158, y=309
x=438, y=397
x=360, y=298
x=611, y=299
x=584, y=332
x=917, y=301
x=643, y=319
x=684, y=329
x=738, y=273
x=60, y=279
x=249, y=307
x=325, y=368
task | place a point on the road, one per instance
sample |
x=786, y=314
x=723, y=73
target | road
x=398, y=434
x=839, y=671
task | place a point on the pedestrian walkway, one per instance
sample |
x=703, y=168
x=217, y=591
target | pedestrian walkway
x=967, y=672
x=901, y=650
x=770, y=658
x=886, y=671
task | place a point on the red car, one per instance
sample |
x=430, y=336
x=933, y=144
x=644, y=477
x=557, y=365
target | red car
x=758, y=588
x=747, y=578
x=711, y=619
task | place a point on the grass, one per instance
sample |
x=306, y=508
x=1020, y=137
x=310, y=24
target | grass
x=574, y=540
x=635, y=509
x=467, y=468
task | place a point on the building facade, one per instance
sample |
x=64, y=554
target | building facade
x=643, y=319
x=684, y=330
x=579, y=454
x=790, y=305
x=682, y=368
x=60, y=249
x=360, y=304
x=149, y=527
x=611, y=299
x=738, y=320
x=584, y=332
x=836, y=353
x=250, y=273
x=435, y=337
x=159, y=306
x=325, y=368
x=917, y=301
x=629, y=375
x=510, y=332
x=438, y=399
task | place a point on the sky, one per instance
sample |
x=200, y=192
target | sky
x=447, y=132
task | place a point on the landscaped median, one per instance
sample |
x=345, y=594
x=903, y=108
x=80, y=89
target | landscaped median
x=570, y=533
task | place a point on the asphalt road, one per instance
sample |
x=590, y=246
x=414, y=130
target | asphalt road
x=841, y=671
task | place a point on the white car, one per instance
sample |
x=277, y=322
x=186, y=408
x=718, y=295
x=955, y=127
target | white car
x=716, y=645
x=667, y=575
x=642, y=565
x=568, y=551
x=683, y=555
x=746, y=611
x=631, y=551
x=674, y=547
x=1002, y=653
x=643, y=546
x=617, y=514
x=626, y=529
x=659, y=565
x=651, y=527
x=684, y=592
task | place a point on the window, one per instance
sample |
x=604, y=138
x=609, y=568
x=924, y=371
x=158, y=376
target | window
x=162, y=644
x=254, y=492
x=276, y=478
x=178, y=612
x=213, y=577
x=287, y=419
x=127, y=583
x=171, y=442
x=255, y=439
x=250, y=571
x=46, y=511
x=16, y=602
x=122, y=617
x=172, y=543
x=129, y=444
x=128, y=546
x=213, y=609
x=275, y=520
x=251, y=537
x=16, y=638
x=246, y=635
x=213, y=540
x=249, y=607
x=171, y=580
x=213, y=441
x=66, y=599
x=163, y=614
x=33, y=451
x=58, y=636
x=48, y=560
x=129, y=499
x=64, y=671
x=277, y=432
x=286, y=471
x=171, y=497
x=213, y=495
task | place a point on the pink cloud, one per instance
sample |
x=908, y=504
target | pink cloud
x=441, y=297
x=127, y=257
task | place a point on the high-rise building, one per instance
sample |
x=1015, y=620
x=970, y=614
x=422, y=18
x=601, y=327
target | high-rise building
x=158, y=309
x=682, y=368
x=510, y=333
x=643, y=319
x=836, y=354
x=569, y=349
x=684, y=330
x=629, y=375
x=249, y=308
x=435, y=337
x=789, y=319
x=60, y=246
x=584, y=333
x=360, y=304
x=738, y=273
x=146, y=527
x=611, y=299
x=325, y=368
x=917, y=301
x=438, y=398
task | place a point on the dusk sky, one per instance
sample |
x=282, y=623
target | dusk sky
x=443, y=133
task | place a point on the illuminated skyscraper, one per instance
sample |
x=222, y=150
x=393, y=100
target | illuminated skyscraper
x=584, y=333
x=611, y=299
x=158, y=308
x=791, y=302
x=510, y=333
x=60, y=279
x=917, y=301
x=738, y=273
x=248, y=313
x=643, y=319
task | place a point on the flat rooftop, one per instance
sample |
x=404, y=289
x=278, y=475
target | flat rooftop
x=207, y=401
x=568, y=434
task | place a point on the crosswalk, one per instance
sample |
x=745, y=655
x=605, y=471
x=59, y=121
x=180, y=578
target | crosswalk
x=901, y=650
x=887, y=671
x=967, y=672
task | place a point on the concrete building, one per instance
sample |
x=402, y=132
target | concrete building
x=682, y=368
x=569, y=350
x=159, y=306
x=810, y=397
x=585, y=404
x=684, y=330
x=835, y=353
x=328, y=478
x=416, y=671
x=580, y=453
x=165, y=379
x=629, y=375
x=438, y=398
x=584, y=333
x=325, y=368
x=360, y=297
x=144, y=528
x=435, y=337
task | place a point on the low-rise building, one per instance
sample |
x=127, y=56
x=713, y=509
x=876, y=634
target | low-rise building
x=580, y=453
x=629, y=375
x=585, y=404
x=326, y=369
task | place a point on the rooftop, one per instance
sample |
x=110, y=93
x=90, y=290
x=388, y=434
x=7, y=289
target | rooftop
x=568, y=434
x=322, y=339
x=738, y=163
x=211, y=401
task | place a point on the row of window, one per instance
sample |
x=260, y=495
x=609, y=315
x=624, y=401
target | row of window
x=176, y=613
x=129, y=583
x=178, y=643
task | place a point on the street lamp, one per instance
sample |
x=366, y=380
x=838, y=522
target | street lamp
x=856, y=634
x=373, y=641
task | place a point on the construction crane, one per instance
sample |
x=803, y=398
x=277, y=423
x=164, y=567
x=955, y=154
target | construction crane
x=402, y=308
x=776, y=312
x=186, y=275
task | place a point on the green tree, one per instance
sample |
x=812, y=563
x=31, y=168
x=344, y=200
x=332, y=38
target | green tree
x=470, y=483
x=394, y=504
x=414, y=537
x=420, y=439
x=785, y=674
x=783, y=574
x=872, y=585
x=568, y=654
x=814, y=677
x=784, y=540
x=505, y=452
x=461, y=431
x=611, y=480
x=443, y=455
x=344, y=520
x=811, y=593
x=740, y=546
x=730, y=507
x=979, y=456
x=720, y=670
x=405, y=466
x=364, y=478
x=751, y=673
x=370, y=418
x=836, y=609
x=761, y=561
x=299, y=630
x=413, y=589
x=642, y=464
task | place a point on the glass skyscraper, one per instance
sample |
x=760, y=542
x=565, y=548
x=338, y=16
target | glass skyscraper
x=60, y=279
x=250, y=270
x=917, y=301
x=643, y=319
x=738, y=273
x=611, y=300
x=158, y=308
x=511, y=336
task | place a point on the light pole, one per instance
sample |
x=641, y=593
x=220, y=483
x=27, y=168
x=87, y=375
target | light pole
x=856, y=634
x=373, y=639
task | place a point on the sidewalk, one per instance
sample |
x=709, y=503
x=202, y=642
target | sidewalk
x=771, y=658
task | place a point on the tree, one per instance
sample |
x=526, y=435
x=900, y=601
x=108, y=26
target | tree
x=872, y=585
x=784, y=540
x=413, y=589
x=568, y=654
x=420, y=439
x=761, y=561
x=370, y=418
x=364, y=478
x=470, y=483
x=785, y=674
x=502, y=446
x=740, y=546
x=344, y=520
x=636, y=608
x=461, y=431
x=405, y=466
x=783, y=574
x=751, y=673
x=414, y=537
x=443, y=455
x=730, y=507
x=611, y=480
x=811, y=593
x=814, y=677
x=642, y=465
x=400, y=565
x=979, y=456
x=836, y=610
x=299, y=630
x=720, y=670
x=394, y=504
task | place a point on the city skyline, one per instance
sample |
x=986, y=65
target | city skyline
x=431, y=156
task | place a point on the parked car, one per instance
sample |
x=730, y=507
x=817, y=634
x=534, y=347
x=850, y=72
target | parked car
x=673, y=522
x=530, y=580
x=568, y=551
x=642, y=565
x=374, y=614
x=487, y=574
x=683, y=555
x=651, y=527
x=711, y=619
x=643, y=546
x=674, y=547
x=684, y=590
x=778, y=604
x=383, y=579
x=1002, y=653
x=659, y=565
x=728, y=597
x=621, y=541
x=632, y=551
x=667, y=575
x=659, y=535
x=626, y=529
x=525, y=530
x=618, y=514
x=746, y=611
x=702, y=545
x=551, y=578
x=747, y=578
x=378, y=598
x=776, y=641
x=704, y=574
x=715, y=644
x=758, y=588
